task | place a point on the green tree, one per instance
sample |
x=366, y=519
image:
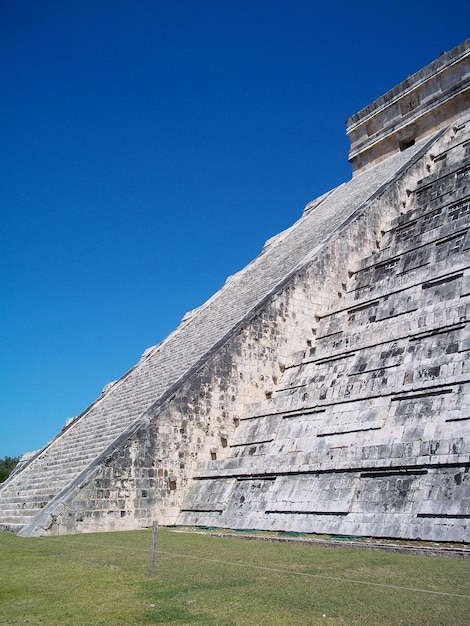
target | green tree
x=7, y=465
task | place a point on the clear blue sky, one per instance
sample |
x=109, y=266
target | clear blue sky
x=149, y=148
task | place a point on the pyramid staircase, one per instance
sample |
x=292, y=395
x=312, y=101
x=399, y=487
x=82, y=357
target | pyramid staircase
x=70, y=459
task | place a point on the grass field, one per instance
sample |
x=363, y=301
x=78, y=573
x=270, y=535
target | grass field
x=102, y=579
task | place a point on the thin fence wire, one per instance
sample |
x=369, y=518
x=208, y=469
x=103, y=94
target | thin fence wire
x=276, y=570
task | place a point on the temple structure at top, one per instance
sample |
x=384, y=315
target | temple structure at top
x=416, y=108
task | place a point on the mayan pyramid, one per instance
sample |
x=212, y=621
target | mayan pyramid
x=326, y=387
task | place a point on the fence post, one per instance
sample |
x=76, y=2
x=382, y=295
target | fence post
x=153, y=550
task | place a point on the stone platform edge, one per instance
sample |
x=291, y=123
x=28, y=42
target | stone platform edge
x=360, y=543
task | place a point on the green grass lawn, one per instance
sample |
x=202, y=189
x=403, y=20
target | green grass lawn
x=103, y=579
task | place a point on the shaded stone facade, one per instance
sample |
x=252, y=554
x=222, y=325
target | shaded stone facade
x=323, y=389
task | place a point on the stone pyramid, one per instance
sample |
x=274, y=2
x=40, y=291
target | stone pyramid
x=325, y=387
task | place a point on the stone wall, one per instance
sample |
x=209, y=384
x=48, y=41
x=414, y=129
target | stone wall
x=367, y=432
x=149, y=476
x=204, y=421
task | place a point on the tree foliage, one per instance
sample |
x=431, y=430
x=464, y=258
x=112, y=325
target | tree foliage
x=7, y=465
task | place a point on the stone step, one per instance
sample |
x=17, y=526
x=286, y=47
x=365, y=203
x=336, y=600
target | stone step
x=84, y=430
x=38, y=501
x=12, y=527
x=15, y=513
x=15, y=519
x=72, y=464
x=75, y=441
x=45, y=475
x=368, y=286
x=422, y=254
x=37, y=488
x=394, y=262
x=393, y=328
x=432, y=214
x=76, y=446
x=73, y=448
x=53, y=472
x=421, y=231
x=51, y=483
x=76, y=460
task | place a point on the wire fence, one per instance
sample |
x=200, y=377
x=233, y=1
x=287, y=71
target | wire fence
x=154, y=553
